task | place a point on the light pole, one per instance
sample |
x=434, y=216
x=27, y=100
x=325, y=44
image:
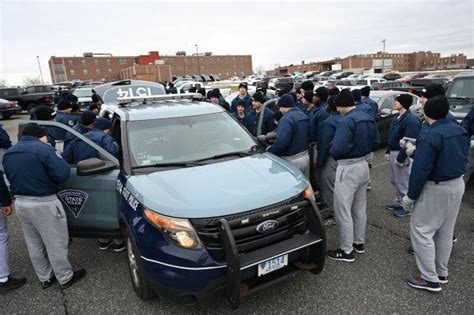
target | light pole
x=383, y=56
x=39, y=66
x=197, y=58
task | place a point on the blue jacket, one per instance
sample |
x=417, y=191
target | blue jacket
x=292, y=134
x=34, y=169
x=318, y=116
x=408, y=125
x=69, y=136
x=241, y=120
x=5, y=142
x=5, y=198
x=366, y=108
x=356, y=136
x=78, y=150
x=468, y=122
x=66, y=119
x=251, y=121
x=325, y=137
x=441, y=155
x=248, y=103
x=373, y=105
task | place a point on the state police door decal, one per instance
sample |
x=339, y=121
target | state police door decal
x=74, y=200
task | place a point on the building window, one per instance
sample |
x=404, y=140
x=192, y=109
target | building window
x=61, y=77
x=97, y=71
x=84, y=71
x=70, y=62
x=58, y=67
x=108, y=62
x=96, y=62
x=109, y=70
x=83, y=62
x=72, y=71
x=123, y=61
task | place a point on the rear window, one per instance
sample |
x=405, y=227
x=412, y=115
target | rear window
x=462, y=88
x=9, y=92
x=362, y=82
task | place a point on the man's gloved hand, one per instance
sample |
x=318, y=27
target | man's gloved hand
x=271, y=136
x=410, y=149
x=405, y=140
x=387, y=156
x=408, y=203
x=262, y=138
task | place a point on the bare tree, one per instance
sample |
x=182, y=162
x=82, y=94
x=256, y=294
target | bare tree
x=259, y=70
x=31, y=80
x=3, y=83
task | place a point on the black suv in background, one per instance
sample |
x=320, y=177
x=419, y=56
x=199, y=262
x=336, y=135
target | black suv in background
x=29, y=97
x=461, y=95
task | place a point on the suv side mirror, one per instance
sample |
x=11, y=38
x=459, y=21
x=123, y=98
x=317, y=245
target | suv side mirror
x=93, y=166
x=386, y=112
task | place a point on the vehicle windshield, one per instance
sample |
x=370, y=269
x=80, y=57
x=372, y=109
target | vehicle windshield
x=83, y=92
x=462, y=88
x=185, y=139
x=362, y=82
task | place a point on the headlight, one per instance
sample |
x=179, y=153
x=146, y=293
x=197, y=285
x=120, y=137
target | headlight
x=309, y=193
x=179, y=232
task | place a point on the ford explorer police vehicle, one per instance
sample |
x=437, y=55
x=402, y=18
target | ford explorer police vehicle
x=204, y=211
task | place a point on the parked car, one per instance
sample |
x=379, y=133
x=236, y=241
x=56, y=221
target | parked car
x=9, y=108
x=29, y=97
x=215, y=77
x=392, y=76
x=206, y=78
x=188, y=236
x=342, y=75
x=281, y=83
x=84, y=95
x=461, y=95
x=412, y=76
x=368, y=81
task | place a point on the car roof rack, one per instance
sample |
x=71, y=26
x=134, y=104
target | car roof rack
x=133, y=99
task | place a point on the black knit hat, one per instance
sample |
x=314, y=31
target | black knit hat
x=44, y=112
x=202, y=91
x=437, y=107
x=102, y=123
x=405, y=100
x=334, y=91
x=307, y=85
x=286, y=101
x=258, y=97
x=72, y=98
x=356, y=95
x=64, y=104
x=244, y=85
x=344, y=99
x=308, y=96
x=213, y=93
x=365, y=91
x=322, y=93
x=241, y=102
x=433, y=90
x=33, y=130
x=95, y=98
x=87, y=118
x=330, y=104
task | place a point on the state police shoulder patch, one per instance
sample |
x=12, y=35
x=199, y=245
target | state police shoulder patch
x=74, y=200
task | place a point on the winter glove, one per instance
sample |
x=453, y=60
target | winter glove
x=408, y=203
x=410, y=149
x=403, y=142
x=271, y=136
x=387, y=156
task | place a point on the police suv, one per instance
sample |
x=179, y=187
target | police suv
x=204, y=211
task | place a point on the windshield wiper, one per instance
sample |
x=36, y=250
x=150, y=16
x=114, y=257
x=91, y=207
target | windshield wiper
x=176, y=164
x=221, y=156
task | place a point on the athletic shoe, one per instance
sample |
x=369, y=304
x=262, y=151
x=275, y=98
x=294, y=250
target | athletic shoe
x=76, y=276
x=411, y=251
x=11, y=284
x=339, y=254
x=401, y=213
x=443, y=280
x=418, y=282
x=106, y=244
x=393, y=207
x=359, y=248
x=119, y=247
x=46, y=284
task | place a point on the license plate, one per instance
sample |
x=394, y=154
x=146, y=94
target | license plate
x=272, y=265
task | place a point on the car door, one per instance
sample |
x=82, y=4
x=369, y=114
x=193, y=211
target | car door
x=386, y=115
x=89, y=197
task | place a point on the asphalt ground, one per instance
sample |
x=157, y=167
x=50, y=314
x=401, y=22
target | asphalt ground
x=374, y=283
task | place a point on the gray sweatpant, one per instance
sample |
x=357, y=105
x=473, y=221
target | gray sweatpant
x=300, y=160
x=44, y=225
x=350, y=201
x=4, y=255
x=432, y=226
x=399, y=177
x=328, y=177
x=470, y=165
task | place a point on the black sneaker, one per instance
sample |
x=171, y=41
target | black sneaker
x=418, y=282
x=443, y=280
x=46, y=284
x=11, y=284
x=76, y=276
x=119, y=247
x=411, y=251
x=339, y=254
x=106, y=244
x=359, y=248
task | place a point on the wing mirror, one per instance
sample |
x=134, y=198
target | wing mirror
x=93, y=166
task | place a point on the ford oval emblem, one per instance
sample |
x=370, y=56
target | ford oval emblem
x=267, y=226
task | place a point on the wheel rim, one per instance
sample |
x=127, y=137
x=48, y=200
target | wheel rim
x=132, y=263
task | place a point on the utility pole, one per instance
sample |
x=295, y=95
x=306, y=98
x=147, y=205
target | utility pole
x=39, y=66
x=383, y=56
x=197, y=58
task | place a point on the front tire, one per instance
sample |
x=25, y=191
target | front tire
x=140, y=283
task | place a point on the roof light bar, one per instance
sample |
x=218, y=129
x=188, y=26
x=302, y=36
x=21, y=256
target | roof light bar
x=132, y=99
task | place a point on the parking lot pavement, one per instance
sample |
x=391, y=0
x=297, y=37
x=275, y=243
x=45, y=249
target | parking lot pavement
x=374, y=283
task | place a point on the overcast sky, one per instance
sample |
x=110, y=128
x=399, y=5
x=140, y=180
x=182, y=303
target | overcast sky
x=272, y=32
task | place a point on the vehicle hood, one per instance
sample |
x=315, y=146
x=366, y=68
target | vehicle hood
x=219, y=189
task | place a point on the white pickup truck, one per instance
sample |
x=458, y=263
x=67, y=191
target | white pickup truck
x=184, y=86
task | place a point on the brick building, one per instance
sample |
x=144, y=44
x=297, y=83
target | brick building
x=105, y=67
x=383, y=62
